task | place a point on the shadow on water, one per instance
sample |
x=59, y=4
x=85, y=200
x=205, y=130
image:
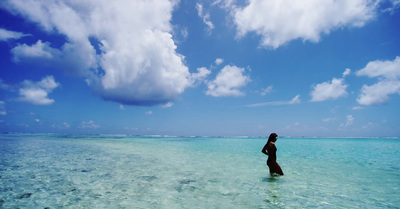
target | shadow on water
x=271, y=178
x=272, y=191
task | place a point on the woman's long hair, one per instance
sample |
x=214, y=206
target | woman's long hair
x=271, y=137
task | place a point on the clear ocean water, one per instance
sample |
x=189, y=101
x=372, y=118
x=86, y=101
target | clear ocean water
x=88, y=171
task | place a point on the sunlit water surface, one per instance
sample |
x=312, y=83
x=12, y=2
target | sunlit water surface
x=75, y=171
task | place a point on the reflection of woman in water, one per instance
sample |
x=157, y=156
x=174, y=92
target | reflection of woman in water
x=270, y=150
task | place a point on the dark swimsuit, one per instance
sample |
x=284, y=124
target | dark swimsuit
x=271, y=162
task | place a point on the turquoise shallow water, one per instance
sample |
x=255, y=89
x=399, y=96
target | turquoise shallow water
x=57, y=171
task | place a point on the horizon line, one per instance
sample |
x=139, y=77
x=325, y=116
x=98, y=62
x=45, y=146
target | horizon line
x=202, y=136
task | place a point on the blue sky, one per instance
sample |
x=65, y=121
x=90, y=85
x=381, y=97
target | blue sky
x=210, y=68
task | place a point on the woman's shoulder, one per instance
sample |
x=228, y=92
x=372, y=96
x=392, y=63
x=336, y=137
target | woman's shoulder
x=271, y=144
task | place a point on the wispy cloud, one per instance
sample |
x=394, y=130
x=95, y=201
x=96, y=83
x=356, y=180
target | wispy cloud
x=295, y=100
x=3, y=108
x=89, y=124
x=167, y=105
x=184, y=33
x=357, y=108
x=349, y=121
x=205, y=16
x=266, y=90
x=327, y=120
x=6, y=35
x=3, y=85
x=66, y=125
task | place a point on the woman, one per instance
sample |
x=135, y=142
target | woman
x=270, y=150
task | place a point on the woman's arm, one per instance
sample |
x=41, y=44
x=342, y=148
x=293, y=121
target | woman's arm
x=264, y=149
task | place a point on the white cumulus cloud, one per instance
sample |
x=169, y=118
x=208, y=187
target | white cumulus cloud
x=278, y=22
x=346, y=72
x=219, y=61
x=37, y=92
x=201, y=75
x=124, y=49
x=387, y=69
x=378, y=93
x=228, y=82
x=388, y=73
x=38, y=50
x=330, y=90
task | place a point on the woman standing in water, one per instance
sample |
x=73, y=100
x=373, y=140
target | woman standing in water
x=270, y=150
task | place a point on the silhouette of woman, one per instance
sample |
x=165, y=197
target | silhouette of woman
x=270, y=150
